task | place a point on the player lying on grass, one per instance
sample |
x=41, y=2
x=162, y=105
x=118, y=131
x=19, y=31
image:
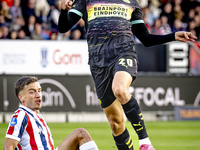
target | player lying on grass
x=29, y=131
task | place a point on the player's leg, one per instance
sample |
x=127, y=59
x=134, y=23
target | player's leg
x=103, y=78
x=115, y=116
x=78, y=139
x=125, y=73
x=121, y=83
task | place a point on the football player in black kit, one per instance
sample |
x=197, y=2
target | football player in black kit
x=110, y=25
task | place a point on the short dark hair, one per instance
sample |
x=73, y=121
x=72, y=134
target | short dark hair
x=25, y=80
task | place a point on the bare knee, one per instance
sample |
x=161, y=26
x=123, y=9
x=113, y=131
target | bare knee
x=119, y=91
x=121, y=94
x=82, y=135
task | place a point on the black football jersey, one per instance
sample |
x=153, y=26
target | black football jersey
x=108, y=26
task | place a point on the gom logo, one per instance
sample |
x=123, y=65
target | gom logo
x=66, y=59
x=57, y=95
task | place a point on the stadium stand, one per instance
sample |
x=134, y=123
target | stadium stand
x=19, y=18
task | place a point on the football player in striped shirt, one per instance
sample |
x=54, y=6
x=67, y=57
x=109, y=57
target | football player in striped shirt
x=28, y=130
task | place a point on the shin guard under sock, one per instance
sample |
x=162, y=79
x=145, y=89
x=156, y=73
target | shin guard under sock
x=134, y=115
x=124, y=141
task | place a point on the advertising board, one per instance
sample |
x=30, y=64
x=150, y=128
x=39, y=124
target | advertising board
x=195, y=58
x=77, y=93
x=44, y=57
x=187, y=113
x=178, y=58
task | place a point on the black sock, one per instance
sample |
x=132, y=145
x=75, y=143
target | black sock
x=124, y=141
x=134, y=115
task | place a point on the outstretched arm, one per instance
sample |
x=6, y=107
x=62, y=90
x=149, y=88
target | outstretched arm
x=67, y=19
x=147, y=39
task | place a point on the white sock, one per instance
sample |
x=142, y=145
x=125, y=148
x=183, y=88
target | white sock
x=91, y=145
x=145, y=141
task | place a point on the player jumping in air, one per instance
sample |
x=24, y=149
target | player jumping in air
x=110, y=25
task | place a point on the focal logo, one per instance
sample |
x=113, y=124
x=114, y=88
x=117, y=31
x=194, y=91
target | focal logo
x=44, y=60
x=158, y=96
x=50, y=95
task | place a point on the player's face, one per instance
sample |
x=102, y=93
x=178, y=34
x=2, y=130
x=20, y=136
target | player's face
x=31, y=96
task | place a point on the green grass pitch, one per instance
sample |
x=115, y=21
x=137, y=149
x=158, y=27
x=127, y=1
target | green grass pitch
x=180, y=135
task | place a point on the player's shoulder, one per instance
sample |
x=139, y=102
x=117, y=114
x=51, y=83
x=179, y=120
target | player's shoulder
x=17, y=116
x=138, y=10
x=19, y=113
x=137, y=13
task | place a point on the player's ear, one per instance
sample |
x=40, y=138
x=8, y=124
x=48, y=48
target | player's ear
x=20, y=97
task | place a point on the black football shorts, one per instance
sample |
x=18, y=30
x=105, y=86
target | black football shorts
x=103, y=77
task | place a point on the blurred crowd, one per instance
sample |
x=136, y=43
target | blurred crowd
x=38, y=19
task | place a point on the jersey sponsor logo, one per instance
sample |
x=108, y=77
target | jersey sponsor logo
x=127, y=1
x=109, y=10
x=13, y=122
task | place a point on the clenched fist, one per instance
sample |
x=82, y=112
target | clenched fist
x=66, y=4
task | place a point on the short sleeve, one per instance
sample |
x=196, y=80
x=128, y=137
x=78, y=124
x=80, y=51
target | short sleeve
x=17, y=126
